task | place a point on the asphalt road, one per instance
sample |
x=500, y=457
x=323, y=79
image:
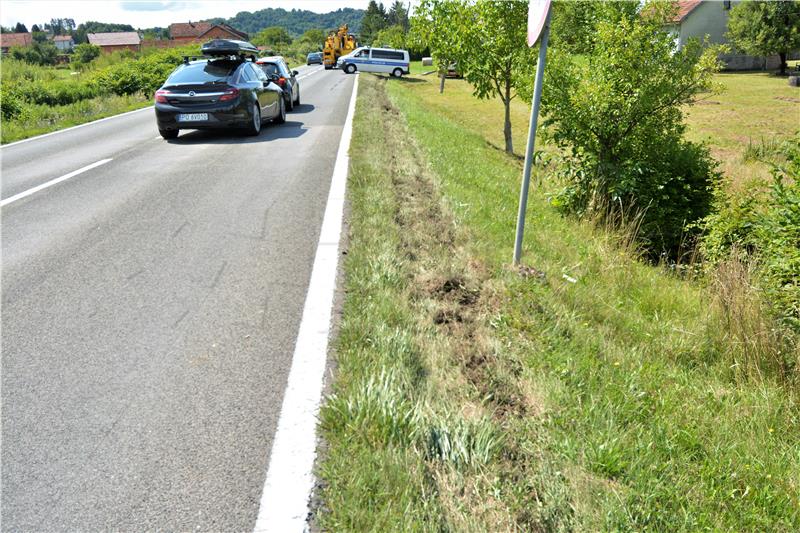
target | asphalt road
x=150, y=308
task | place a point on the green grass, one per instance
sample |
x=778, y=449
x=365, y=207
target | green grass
x=616, y=403
x=752, y=107
x=41, y=119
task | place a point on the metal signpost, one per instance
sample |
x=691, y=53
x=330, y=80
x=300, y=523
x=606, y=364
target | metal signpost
x=538, y=24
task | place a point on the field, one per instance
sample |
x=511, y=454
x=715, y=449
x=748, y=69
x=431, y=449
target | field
x=752, y=109
x=586, y=391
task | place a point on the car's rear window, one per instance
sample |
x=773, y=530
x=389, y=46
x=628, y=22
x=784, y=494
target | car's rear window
x=211, y=71
x=270, y=69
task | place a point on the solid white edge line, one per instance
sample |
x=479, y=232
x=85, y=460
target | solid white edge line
x=42, y=136
x=289, y=481
x=52, y=182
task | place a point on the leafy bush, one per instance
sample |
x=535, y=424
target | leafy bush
x=617, y=113
x=59, y=92
x=85, y=52
x=39, y=53
x=763, y=223
x=144, y=75
x=11, y=105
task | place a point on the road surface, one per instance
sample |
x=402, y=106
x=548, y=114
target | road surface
x=150, y=307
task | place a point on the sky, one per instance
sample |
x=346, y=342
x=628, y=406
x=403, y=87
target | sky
x=148, y=14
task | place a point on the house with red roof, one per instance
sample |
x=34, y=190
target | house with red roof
x=709, y=18
x=7, y=40
x=115, y=41
x=203, y=31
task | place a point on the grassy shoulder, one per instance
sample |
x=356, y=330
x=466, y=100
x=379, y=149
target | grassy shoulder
x=592, y=392
x=41, y=119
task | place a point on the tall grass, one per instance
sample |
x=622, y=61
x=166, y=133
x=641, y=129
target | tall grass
x=39, y=119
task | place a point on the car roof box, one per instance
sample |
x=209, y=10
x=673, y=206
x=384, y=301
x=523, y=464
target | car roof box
x=228, y=47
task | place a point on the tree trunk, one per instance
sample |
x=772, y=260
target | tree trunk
x=441, y=83
x=782, y=55
x=507, y=125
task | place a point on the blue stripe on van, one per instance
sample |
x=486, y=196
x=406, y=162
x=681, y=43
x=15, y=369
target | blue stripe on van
x=390, y=62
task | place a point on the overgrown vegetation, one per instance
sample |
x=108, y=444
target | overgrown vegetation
x=37, y=99
x=617, y=115
x=600, y=393
x=295, y=51
x=761, y=224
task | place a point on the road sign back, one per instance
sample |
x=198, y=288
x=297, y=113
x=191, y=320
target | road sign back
x=537, y=14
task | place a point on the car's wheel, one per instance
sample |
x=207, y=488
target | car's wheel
x=168, y=134
x=254, y=128
x=397, y=72
x=350, y=68
x=281, y=118
x=289, y=102
x=297, y=101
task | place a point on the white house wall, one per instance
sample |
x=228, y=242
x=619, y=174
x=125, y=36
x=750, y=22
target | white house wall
x=710, y=18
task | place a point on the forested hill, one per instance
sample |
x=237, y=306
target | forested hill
x=295, y=21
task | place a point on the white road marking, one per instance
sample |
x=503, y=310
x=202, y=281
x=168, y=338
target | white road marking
x=52, y=182
x=75, y=127
x=284, y=500
x=310, y=73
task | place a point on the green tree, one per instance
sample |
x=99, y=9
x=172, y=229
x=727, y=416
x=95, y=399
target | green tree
x=20, y=28
x=314, y=36
x=487, y=39
x=375, y=19
x=398, y=15
x=440, y=26
x=85, y=52
x=617, y=113
x=766, y=28
x=60, y=26
x=575, y=23
x=35, y=28
x=272, y=36
x=393, y=37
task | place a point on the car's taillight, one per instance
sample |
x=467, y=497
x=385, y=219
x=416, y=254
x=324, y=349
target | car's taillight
x=282, y=81
x=229, y=94
x=161, y=96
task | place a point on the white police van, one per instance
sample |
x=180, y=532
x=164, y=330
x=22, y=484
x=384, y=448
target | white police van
x=365, y=59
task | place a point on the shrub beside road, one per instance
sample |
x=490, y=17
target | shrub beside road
x=38, y=99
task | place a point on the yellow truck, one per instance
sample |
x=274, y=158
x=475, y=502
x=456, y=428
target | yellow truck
x=337, y=44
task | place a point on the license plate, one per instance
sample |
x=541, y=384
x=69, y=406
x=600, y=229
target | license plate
x=192, y=117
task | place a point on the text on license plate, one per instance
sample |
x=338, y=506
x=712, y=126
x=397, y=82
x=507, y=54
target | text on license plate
x=192, y=117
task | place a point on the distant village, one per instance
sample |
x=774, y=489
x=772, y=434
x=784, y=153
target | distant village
x=179, y=33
